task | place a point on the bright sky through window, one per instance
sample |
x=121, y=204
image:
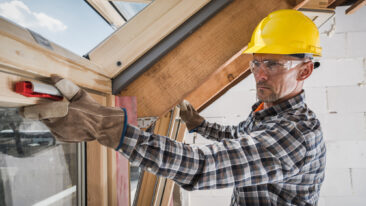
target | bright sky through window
x=72, y=24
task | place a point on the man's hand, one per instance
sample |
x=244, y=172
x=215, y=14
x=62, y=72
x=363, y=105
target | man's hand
x=189, y=115
x=81, y=118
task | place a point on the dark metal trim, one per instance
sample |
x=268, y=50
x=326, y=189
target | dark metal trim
x=167, y=44
x=115, y=7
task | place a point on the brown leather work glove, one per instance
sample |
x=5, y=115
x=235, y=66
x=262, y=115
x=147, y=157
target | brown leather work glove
x=79, y=119
x=189, y=115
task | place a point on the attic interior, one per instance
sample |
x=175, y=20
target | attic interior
x=160, y=53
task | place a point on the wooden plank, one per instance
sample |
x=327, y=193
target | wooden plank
x=97, y=183
x=356, y=6
x=187, y=66
x=111, y=176
x=136, y=1
x=97, y=164
x=336, y=3
x=106, y=10
x=220, y=80
x=21, y=54
x=111, y=164
x=301, y=3
x=315, y=4
x=169, y=186
x=162, y=182
x=148, y=180
x=23, y=35
x=142, y=32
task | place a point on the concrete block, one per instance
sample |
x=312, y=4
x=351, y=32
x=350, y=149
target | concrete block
x=232, y=103
x=219, y=120
x=321, y=201
x=337, y=183
x=210, y=201
x=346, y=154
x=356, y=43
x=358, y=181
x=346, y=99
x=235, y=120
x=209, y=193
x=188, y=137
x=344, y=126
x=227, y=120
x=246, y=84
x=316, y=99
x=342, y=201
x=317, y=78
x=334, y=46
x=347, y=23
x=337, y=72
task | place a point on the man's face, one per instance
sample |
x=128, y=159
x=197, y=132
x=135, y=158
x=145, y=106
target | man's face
x=274, y=86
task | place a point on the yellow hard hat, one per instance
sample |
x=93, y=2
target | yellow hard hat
x=285, y=32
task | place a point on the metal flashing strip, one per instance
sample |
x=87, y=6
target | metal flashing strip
x=168, y=43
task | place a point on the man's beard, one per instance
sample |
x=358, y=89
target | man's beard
x=272, y=97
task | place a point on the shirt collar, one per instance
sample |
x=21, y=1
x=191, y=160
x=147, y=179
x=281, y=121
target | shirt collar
x=292, y=103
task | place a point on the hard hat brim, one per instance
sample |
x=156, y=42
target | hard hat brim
x=280, y=49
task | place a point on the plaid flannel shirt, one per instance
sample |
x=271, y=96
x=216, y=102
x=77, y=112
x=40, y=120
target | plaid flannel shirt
x=275, y=157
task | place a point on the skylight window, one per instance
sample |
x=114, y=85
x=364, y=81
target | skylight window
x=128, y=9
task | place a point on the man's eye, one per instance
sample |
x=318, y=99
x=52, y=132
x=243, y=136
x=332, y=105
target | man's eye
x=272, y=64
x=257, y=64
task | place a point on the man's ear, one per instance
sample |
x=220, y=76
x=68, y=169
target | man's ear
x=305, y=70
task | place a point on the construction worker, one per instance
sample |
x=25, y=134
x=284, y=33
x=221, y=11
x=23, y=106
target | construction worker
x=275, y=157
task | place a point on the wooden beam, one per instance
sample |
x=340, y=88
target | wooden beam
x=191, y=63
x=336, y=3
x=111, y=164
x=314, y=4
x=146, y=192
x=356, y=6
x=97, y=182
x=97, y=169
x=301, y=4
x=142, y=32
x=107, y=11
x=169, y=185
x=220, y=81
x=22, y=55
x=136, y=1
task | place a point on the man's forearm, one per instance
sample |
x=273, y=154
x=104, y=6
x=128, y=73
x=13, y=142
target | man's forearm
x=216, y=131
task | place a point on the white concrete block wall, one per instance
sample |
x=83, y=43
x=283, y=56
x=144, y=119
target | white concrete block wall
x=336, y=92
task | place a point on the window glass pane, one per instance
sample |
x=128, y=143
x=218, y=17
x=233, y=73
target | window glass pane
x=35, y=169
x=129, y=9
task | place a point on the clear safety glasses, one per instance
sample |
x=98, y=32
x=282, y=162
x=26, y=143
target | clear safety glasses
x=273, y=66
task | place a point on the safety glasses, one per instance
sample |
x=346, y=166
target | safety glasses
x=273, y=66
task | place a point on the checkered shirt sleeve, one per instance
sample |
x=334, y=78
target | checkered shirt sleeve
x=269, y=155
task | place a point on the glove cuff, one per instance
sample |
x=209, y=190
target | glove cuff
x=123, y=130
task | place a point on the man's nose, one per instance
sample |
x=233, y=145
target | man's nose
x=261, y=74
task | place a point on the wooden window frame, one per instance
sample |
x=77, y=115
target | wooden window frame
x=141, y=33
x=23, y=59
